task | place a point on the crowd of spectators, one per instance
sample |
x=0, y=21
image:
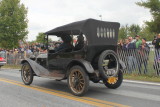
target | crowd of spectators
x=136, y=52
x=24, y=50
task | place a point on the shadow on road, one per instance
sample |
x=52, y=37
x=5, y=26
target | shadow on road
x=95, y=89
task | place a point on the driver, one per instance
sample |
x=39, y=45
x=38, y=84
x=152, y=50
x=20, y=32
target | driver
x=80, y=43
x=66, y=45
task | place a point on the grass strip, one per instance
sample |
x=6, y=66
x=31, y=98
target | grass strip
x=149, y=78
x=11, y=67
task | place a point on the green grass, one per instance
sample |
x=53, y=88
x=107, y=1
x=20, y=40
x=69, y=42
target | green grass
x=12, y=66
x=148, y=78
x=151, y=74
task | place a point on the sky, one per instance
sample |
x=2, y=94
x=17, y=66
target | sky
x=44, y=15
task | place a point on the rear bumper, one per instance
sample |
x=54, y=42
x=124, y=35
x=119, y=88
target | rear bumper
x=2, y=63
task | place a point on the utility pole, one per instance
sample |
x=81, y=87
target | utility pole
x=100, y=17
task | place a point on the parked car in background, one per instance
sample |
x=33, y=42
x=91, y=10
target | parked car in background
x=150, y=45
x=2, y=61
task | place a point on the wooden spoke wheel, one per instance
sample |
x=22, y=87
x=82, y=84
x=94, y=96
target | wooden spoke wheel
x=78, y=81
x=26, y=74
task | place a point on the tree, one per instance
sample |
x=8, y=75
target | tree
x=134, y=30
x=13, y=23
x=123, y=32
x=145, y=33
x=40, y=38
x=154, y=7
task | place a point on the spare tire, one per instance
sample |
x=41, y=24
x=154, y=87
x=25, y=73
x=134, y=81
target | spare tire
x=108, y=64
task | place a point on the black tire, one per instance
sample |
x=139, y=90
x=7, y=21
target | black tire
x=82, y=81
x=110, y=55
x=27, y=73
x=117, y=84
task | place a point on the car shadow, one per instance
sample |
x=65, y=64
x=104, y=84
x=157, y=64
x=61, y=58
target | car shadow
x=94, y=89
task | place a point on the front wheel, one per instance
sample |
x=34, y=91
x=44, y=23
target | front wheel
x=78, y=81
x=26, y=74
x=114, y=82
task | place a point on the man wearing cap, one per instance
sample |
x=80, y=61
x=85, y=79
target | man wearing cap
x=138, y=41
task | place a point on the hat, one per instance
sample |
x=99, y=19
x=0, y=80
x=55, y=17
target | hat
x=144, y=39
x=137, y=36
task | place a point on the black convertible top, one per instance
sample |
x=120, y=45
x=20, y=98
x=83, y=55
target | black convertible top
x=91, y=28
x=69, y=27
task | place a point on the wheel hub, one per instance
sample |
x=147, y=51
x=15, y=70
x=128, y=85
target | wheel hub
x=76, y=81
x=112, y=80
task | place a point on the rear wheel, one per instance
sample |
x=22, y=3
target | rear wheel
x=78, y=81
x=26, y=74
x=114, y=82
x=108, y=64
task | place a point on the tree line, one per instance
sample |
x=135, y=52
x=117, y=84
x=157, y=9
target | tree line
x=150, y=28
x=133, y=30
x=14, y=23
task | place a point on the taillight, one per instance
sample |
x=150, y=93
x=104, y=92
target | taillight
x=2, y=59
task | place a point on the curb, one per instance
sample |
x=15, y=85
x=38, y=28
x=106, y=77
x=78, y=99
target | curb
x=141, y=82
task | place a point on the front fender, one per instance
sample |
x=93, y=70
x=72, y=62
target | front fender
x=38, y=69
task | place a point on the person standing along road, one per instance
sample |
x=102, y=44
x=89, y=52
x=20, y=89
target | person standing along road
x=157, y=42
x=129, y=47
x=125, y=45
x=156, y=64
x=120, y=45
x=154, y=40
x=131, y=55
x=138, y=60
x=144, y=50
x=138, y=41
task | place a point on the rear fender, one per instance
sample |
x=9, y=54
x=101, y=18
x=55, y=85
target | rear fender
x=88, y=67
x=122, y=65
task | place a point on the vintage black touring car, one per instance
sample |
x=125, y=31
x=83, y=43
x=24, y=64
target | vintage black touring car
x=92, y=57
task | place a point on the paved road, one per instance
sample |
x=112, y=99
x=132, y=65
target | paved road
x=50, y=93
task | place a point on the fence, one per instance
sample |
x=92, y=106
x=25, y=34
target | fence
x=15, y=58
x=137, y=61
x=141, y=61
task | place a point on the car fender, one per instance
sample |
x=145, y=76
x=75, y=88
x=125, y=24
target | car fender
x=84, y=63
x=122, y=65
x=38, y=69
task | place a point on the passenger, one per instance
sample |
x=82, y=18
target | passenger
x=80, y=43
x=56, y=45
x=66, y=45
